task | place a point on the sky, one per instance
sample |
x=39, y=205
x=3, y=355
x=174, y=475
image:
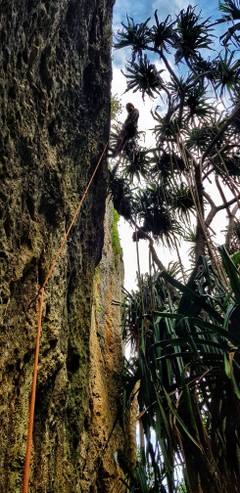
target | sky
x=140, y=11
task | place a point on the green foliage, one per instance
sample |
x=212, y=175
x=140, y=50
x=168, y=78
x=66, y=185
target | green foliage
x=116, y=107
x=121, y=195
x=227, y=73
x=156, y=217
x=144, y=77
x=183, y=200
x=134, y=35
x=236, y=259
x=182, y=488
x=188, y=374
x=196, y=132
x=117, y=249
x=231, y=8
x=192, y=35
x=162, y=34
x=232, y=273
x=186, y=335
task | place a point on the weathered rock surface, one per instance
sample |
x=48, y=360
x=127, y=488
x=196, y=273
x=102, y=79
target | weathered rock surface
x=105, y=411
x=54, y=122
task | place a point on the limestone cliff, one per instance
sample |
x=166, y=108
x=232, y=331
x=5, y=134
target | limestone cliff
x=103, y=423
x=55, y=77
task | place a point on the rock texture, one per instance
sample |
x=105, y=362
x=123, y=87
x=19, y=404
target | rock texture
x=105, y=411
x=55, y=78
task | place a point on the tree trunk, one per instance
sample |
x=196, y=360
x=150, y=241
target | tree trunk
x=55, y=112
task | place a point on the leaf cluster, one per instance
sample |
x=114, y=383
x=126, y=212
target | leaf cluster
x=197, y=122
x=188, y=368
x=186, y=334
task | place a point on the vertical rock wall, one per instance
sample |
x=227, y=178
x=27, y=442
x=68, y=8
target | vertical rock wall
x=99, y=453
x=54, y=122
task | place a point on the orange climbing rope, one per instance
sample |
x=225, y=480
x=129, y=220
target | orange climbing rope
x=27, y=461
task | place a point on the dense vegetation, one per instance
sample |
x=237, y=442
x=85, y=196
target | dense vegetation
x=185, y=329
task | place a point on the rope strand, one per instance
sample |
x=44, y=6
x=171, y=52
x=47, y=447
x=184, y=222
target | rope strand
x=26, y=473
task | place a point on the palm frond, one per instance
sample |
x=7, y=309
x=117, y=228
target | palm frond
x=134, y=35
x=192, y=35
x=162, y=34
x=187, y=376
x=143, y=76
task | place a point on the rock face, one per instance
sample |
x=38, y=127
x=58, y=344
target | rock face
x=55, y=102
x=106, y=363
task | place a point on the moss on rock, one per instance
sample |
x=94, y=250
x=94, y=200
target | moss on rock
x=116, y=245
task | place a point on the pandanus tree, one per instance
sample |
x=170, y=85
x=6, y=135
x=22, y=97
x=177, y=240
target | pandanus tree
x=185, y=329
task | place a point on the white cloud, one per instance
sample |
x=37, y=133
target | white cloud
x=183, y=4
x=171, y=7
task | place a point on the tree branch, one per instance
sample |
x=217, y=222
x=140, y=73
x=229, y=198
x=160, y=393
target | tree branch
x=230, y=227
x=216, y=208
x=221, y=132
x=155, y=257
